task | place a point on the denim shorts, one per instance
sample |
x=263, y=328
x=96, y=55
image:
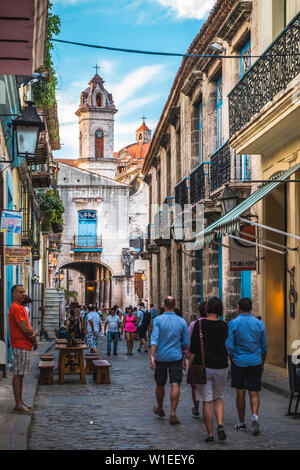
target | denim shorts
x=162, y=369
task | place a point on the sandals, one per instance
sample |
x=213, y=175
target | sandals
x=158, y=412
x=194, y=412
x=28, y=406
x=174, y=420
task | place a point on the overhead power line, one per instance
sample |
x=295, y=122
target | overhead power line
x=172, y=54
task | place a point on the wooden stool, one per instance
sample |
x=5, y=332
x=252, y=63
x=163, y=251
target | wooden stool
x=89, y=358
x=47, y=357
x=101, y=372
x=46, y=372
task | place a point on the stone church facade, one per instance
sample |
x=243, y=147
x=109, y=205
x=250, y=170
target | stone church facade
x=97, y=259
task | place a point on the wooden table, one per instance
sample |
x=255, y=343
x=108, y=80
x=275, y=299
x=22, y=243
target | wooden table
x=63, y=368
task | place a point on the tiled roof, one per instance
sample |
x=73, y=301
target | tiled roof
x=143, y=128
x=137, y=150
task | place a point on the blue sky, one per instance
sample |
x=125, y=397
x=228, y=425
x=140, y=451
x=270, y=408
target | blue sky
x=139, y=83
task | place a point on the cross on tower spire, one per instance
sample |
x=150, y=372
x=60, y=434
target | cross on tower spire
x=144, y=117
x=96, y=67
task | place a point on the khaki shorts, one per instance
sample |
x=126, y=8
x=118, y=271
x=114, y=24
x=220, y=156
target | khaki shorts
x=216, y=380
x=21, y=361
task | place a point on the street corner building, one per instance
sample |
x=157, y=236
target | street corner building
x=228, y=140
x=28, y=135
x=106, y=201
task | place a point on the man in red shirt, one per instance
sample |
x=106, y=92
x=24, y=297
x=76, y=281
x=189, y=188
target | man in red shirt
x=23, y=339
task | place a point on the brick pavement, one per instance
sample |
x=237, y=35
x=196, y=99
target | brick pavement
x=119, y=415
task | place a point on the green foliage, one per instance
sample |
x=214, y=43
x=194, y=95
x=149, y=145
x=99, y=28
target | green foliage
x=71, y=293
x=44, y=91
x=51, y=208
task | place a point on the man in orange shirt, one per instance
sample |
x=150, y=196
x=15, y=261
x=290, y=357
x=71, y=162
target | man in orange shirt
x=23, y=339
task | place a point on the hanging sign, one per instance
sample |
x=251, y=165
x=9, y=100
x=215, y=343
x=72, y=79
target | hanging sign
x=17, y=255
x=242, y=254
x=11, y=221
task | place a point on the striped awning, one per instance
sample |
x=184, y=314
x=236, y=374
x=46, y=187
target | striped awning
x=230, y=222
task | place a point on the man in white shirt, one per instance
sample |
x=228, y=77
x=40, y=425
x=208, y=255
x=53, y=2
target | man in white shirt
x=112, y=324
x=93, y=327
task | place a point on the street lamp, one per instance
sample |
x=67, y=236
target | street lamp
x=61, y=275
x=228, y=199
x=27, y=128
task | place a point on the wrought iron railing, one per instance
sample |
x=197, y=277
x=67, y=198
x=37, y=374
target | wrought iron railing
x=269, y=75
x=87, y=241
x=181, y=192
x=197, y=184
x=220, y=167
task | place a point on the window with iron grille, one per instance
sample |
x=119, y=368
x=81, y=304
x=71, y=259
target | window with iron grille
x=197, y=184
x=220, y=167
x=181, y=193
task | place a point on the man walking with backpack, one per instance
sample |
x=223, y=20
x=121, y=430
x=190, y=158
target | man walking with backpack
x=142, y=327
x=247, y=349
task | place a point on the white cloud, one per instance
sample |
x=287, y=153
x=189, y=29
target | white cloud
x=131, y=105
x=134, y=81
x=188, y=8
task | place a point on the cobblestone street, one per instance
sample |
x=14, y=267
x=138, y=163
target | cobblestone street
x=119, y=415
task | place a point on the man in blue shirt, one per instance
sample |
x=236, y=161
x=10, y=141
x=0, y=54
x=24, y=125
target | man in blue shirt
x=247, y=349
x=170, y=336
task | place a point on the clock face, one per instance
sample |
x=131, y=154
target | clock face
x=99, y=134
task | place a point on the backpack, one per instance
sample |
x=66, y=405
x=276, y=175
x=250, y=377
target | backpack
x=146, y=319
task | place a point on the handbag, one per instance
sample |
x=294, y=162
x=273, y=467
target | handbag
x=196, y=374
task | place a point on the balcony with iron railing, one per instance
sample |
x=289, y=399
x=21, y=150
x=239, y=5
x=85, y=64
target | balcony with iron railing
x=220, y=167
x=40, y=175
x=181, y=192
x=197, y=184
x=268, y=76
x=87, y=243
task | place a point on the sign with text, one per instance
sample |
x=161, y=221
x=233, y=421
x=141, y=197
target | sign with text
x=242, y=254
x=17, y=256
x=11, y=221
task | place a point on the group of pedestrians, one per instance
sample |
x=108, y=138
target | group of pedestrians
x=212, y=344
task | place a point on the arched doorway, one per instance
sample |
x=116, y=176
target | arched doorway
x=97, y=279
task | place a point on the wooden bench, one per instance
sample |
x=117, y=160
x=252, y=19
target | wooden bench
x=46, y=372
x=101, y=372
x=47, y=357
x=89, y=358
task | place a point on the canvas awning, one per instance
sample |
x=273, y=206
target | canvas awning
x=230, y=222
x=23, y=36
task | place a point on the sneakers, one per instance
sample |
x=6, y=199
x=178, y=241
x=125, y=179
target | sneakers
x=240, y=427
x=195, y=412
x=221, y=433
x=209, y=439
x=255, y=425
x=108, y=354
x=23, y=410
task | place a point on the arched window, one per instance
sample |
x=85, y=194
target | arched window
x=140, y=137
x=99, y=99
x=99, y=144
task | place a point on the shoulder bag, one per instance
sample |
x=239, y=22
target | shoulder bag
x=196, y=374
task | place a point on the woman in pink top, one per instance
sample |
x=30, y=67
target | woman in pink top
x=130, y=330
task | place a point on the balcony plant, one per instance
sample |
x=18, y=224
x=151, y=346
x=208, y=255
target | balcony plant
x=52, y=209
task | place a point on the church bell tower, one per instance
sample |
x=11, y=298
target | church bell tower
x=96, y=129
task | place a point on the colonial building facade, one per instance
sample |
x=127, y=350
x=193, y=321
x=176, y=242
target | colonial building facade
x=97, y=257
x=204, y=143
